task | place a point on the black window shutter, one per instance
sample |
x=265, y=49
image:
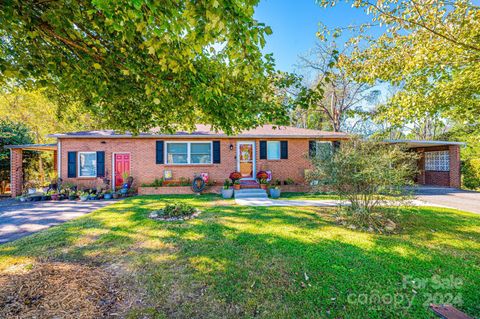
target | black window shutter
x=159, y=151
x=72, y=164
x=100, y=164
x=283, y=149
x=312, y=148
x=263, y=149
x=216, y=152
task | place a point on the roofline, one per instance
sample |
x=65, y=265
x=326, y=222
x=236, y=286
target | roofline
x=31, y=146
x=427, y=142
x=329, y=136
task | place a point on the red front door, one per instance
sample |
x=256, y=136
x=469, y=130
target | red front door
x=122, y=165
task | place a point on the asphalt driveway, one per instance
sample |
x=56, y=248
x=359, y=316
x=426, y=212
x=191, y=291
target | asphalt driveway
x=468, y=201
x=19, y=219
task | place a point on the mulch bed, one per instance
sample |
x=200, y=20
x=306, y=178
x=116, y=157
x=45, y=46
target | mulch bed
x=58, y=290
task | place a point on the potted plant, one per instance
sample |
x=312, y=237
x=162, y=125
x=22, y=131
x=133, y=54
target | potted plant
x=275, y=191
x=72, y=195
x=92, y=196
x=235, y=177
x=83, y=196
x=115, y=195
x=263, y=183
x=236, y=185
x=55, y=196
x=227, y=192
x=107, y=194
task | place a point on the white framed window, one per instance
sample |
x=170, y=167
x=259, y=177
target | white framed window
x=87, y=164
x=188, y=153
x=437, y=161
x=273, y=150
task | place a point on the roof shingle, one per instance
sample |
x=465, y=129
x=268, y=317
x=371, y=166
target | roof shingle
x=205, y=131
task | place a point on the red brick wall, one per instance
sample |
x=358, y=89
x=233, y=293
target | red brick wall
x=16, y=180
x=451, y=178
x=145, y=170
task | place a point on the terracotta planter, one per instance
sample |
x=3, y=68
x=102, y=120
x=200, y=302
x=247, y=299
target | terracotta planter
x=263, y=186
x=236, y=186
x=55, y=196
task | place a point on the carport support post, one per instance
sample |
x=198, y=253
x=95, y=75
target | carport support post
x=455, y=174
x=16, y=172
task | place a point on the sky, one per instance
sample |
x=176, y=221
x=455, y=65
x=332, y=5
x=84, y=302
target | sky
x=295, y=22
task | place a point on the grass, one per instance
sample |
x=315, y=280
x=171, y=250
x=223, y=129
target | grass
x=308, y=196
x=269, y=262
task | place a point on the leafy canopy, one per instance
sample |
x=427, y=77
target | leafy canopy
x=142, y=64
x=430, y=50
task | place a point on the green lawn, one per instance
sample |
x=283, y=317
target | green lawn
x=268, y=262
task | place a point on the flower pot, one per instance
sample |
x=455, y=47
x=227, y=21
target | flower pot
x=275, y=193
x=55, y=196
x=227, y=193
x=72, y=197
x=123, y=191
x=263, y=186
x=107, y=196
x=236, y=186
x=83, y=198
x=115, y=196
x=92, y=197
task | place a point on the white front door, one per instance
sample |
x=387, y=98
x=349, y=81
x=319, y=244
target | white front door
x=246, y=159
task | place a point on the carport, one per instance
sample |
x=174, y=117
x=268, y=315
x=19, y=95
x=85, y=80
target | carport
x=439, y=162
x=16, y=163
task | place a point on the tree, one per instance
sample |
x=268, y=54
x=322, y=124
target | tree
x=11, y=133
x=334, y=95
x=42, y=117
x=143, y=64
x=430, y=50
x=367, y=175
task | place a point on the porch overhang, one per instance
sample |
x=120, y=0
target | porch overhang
x=34, y=147
x=424, y=143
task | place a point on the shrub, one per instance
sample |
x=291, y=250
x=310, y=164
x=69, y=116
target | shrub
x=177, y=210
x=368, y=175
x=471, y=173
x=158, y=182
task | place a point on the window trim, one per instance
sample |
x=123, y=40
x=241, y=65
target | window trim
x=79, y=165
x=189, y=160
x=279, y=151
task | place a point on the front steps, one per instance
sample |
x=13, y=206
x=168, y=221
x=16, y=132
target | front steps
x=250, y=193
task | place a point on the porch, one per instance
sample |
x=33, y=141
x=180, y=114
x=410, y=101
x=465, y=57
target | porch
x=439, y=161
x=16, y=163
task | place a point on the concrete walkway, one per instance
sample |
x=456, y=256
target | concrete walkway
x=19, y=219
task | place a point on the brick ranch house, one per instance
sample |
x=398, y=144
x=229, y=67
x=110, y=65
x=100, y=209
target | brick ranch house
x=83, y=158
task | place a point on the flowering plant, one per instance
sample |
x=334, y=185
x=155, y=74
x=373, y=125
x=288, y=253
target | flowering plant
x=262, y=175
x=235, y=176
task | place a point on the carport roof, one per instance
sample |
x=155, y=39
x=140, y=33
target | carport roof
x=424, y=143
x=34, y=147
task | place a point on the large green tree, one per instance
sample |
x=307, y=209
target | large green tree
x=11, y=133
x=430, y=49
x=142, y=64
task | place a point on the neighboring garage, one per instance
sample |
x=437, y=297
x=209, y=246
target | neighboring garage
x=439, y=162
